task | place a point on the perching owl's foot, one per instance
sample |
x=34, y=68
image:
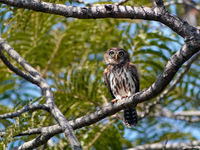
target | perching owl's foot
x=114, y=101
x=124, y=96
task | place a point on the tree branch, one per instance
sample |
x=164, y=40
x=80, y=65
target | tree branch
x=46, y=91
x=16, y=70
x=189, y=113
x=193, y=117
x=23, y=110
x=121, y=2
x=197, y=7
x=189, y=116
x=40, y=140
x=109, y=11
x=173, y=146
x=54, y=129
x=180, y=75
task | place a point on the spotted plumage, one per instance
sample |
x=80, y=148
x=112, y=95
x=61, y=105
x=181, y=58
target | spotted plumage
x=122, y=80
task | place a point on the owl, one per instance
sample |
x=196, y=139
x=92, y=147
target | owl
x=122, y=79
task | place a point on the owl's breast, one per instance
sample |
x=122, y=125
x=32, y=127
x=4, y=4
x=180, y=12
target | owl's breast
x=121, y=82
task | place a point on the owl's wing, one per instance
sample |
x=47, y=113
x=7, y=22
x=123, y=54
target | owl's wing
x=107, y=82
x=135, y=76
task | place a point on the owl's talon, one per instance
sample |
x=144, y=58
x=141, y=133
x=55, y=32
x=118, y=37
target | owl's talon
x=124, y=96
x=114, y=101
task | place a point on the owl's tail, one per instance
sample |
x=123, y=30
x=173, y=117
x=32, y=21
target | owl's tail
x=130, y=117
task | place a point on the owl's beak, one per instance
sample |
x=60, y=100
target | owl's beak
x=116, y=56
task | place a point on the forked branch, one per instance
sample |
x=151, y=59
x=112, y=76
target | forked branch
x=35, y=77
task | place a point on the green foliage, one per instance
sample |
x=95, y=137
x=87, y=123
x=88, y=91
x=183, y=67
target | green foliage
x=69, y=54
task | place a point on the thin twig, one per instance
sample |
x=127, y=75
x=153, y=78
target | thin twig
x=104, y=99
x=168, y=146
x=99, y=134
x=189, y=118
x=197, y=7
x=53, y=54
x=189, y=113
x=121, y=2
x=23, y=110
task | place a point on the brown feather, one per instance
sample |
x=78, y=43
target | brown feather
x=106, y=81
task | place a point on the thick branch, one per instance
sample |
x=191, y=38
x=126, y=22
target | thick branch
x=173, y=146
x=109, y=11
x=191, y=116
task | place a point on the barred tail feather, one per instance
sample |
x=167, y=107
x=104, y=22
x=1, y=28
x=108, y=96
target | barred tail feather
x=130, y=117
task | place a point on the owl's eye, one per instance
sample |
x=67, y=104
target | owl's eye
x=121, y=54
x=111, y=53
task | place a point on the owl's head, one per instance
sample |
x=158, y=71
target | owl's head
x=116, y=56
